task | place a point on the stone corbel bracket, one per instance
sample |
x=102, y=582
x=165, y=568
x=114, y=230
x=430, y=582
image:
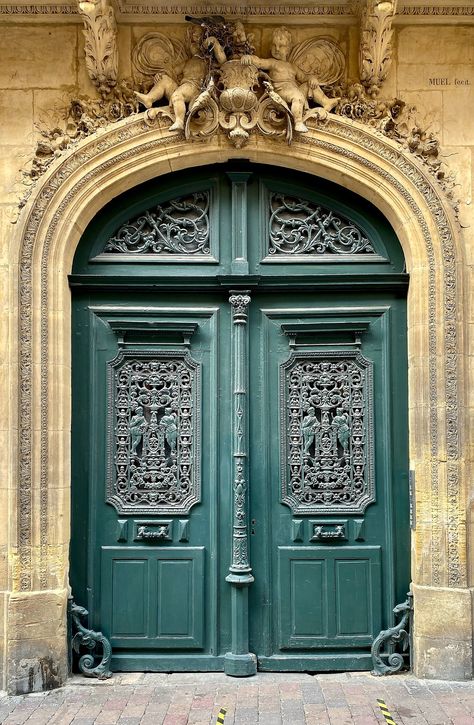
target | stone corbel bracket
x=375, y=56
x=100, y=32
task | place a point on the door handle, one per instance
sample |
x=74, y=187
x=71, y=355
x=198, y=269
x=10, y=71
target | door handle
x=146, y=534
x=329, y=532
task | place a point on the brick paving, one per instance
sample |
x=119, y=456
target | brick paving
x=267, y=699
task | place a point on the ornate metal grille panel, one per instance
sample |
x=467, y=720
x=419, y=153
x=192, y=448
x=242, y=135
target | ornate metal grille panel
x=154, y=432
x=299, y=227
x=177, y=227
x=327, y=432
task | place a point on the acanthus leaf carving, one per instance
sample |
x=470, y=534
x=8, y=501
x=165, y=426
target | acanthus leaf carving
x=213, y=81
x=100, y=33
x=376, y=43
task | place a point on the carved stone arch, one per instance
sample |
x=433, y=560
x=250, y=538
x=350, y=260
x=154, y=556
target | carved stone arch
x=49, y=229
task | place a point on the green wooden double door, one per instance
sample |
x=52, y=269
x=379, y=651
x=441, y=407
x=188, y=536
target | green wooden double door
x=239, y=425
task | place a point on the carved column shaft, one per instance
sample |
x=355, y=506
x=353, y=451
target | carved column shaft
x=240, y=662
x=240, y=566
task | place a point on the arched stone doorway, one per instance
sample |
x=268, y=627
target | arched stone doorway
x=69, y=196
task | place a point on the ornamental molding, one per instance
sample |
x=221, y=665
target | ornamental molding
x=375, y=54
x=239, y=11
x=100, y=33
x=341, y=139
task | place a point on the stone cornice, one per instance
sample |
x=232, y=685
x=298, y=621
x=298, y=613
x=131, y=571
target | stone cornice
x=428, y=12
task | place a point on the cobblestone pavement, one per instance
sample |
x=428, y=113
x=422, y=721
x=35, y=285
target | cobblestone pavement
x=267, y=699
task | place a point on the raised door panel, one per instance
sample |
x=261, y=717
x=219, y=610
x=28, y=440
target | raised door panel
x=153, y=598
x=329, y=597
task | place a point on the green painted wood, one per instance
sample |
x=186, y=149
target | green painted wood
x=315, y=603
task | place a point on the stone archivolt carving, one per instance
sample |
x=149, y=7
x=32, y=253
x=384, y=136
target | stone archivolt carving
x=391, y=166
x=100, y=32
x=376, y=43
x=221, y=83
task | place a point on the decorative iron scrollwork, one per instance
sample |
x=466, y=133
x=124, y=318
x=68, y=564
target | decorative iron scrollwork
x=297, y=226
x=176, y=227
x=327, y=432
x=84, y=637
x=154, y=435
x=399, y=634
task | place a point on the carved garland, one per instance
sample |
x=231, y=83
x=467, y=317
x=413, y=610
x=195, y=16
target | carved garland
x=456, y=567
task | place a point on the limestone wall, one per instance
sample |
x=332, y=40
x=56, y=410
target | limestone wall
x=41, y=67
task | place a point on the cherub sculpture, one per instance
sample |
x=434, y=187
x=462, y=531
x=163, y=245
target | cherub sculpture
x=294, y=83
x=180, y=79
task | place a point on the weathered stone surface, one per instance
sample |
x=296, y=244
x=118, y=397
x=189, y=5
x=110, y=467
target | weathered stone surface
x=40, y=57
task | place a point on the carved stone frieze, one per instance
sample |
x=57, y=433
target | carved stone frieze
x=327, y=432
x=100, y=33
x=154, y=440
x=376, y=43
x=235, y=10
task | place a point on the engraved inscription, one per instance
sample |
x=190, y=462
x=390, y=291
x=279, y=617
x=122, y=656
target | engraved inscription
x=176, y=227
x=153, y=432
x=302, y=227
x=327, y=432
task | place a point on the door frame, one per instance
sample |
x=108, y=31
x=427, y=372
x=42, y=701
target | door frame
x=47, y=234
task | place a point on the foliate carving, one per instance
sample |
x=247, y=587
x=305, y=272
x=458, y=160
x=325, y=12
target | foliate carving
x=395, y=120
x=327, y=432
x=176, y=227
x=82, y=116
x=297, y=226
x=376, y=43
x=100, y=33
x=221, y=84
x=154, y=439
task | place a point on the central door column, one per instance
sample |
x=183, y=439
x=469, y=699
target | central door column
x=240, y=662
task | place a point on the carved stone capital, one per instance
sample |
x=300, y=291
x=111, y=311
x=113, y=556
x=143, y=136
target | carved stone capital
x=100, y=32
x=375, y=55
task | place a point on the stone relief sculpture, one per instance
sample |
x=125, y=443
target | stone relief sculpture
x=223, y=83
x=289, y=80
x=180, y=79
x=214, y=79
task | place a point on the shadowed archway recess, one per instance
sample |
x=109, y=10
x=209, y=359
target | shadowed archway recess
x=51, y=225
